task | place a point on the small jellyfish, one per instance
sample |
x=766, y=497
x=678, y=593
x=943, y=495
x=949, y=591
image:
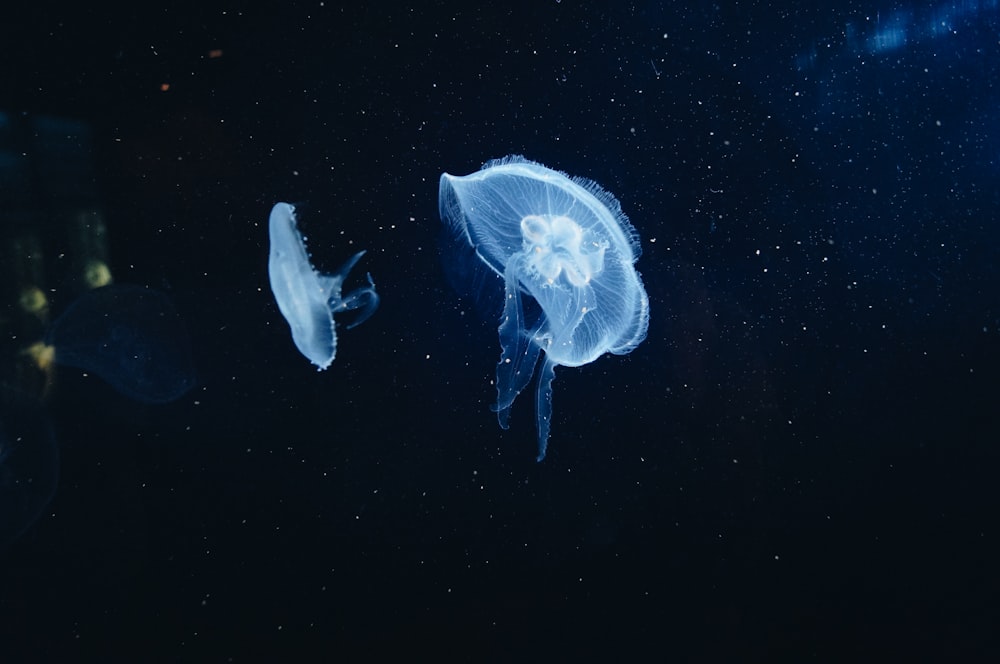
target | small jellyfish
x=563, y=242
x=307, y=299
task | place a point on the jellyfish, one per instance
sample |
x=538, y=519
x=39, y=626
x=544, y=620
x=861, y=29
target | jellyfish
x=308, y=299
x=130, y=336
x=566, y=253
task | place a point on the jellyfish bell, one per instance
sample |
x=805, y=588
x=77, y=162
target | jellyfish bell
x=566, y=254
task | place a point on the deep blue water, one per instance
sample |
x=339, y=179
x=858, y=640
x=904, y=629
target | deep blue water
x=798, y=464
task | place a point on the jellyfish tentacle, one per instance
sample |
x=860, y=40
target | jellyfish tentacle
x=519, y=352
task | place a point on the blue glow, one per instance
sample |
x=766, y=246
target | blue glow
x=878, y=32
x=566, y=244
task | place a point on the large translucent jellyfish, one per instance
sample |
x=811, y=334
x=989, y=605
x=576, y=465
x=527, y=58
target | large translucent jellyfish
x=563, y=242
x=308, y=299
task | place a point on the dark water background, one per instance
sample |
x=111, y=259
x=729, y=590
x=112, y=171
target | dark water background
x=798, y=464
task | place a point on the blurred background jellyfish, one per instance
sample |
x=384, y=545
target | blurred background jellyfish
x=130, y=336
x=54, y=244
x=566, y=245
